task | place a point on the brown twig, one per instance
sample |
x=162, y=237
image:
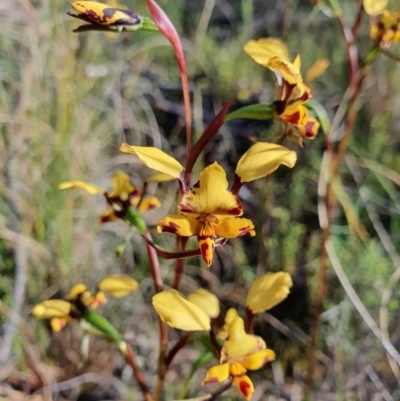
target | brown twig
x=130, y=358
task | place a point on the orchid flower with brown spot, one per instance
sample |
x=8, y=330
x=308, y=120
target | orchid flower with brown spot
x=79, y=299
x=293, y=93
x=208, y=209
x=240, y=352
x=123, y=197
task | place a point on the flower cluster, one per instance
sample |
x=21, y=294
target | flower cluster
x=293, y=93
x=80, y=299
x=126, y=201
x=240, y=351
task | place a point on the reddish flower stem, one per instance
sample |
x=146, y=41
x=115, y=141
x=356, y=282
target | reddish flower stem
x=154, y=264
x=177, y=347
x=181, y=243
x=249, y=320
x=214, y=342
x=130, y=358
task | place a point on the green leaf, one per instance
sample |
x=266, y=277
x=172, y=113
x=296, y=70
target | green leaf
x=101, y=324
x=204, y=358
x=135, y=218
x=321, y=114
x=261, y=111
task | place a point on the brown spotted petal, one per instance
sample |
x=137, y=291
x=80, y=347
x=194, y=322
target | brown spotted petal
x=234, y=227
x=297, y=116
x=101, y=14
x=184, y=226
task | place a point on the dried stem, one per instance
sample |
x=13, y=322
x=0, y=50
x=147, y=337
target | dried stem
x=329, y=171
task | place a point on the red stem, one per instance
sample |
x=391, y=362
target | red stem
x=154, y=264
x=176, y=348
x=130, y=358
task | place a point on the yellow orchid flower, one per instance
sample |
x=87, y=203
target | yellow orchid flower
x=122, y=196
x=79, y=299
x=293, y=93
x=268, y=291
x=386, y=30
x=209, y=210
x=240, y=352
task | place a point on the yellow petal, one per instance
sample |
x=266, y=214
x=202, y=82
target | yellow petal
x=262, y=159
x=150, y=202
x=258, y=359
x=263, y=49
x=373, y=7
x=51, y=308
x=98, y=300
x=217, y=374
x=76, y=290
x=268, y=291
x=179, y=313
x=155, y=158
x=234, y=227
x=89, y=188
x=288, y=71
x=58, y=323
x=239, y=343
x=185, y=226
x=210, y=195
x=118, y=285
x=122, y=186
x=207, y=247
x=160, y=177
x=317, y=69
x=237, y=369
x=297, y=62
x=245, y=385
x=206, y=301
x=231, y=315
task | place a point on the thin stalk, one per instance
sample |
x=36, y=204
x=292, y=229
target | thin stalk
x=177, y=347
x=154, y=264
x=130, y=358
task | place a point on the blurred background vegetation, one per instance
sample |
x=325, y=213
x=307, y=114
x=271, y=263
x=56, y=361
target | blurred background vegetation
x=67, y=101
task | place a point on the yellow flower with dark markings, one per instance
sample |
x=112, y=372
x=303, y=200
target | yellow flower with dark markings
x=73, y=306
x=386, y=30
x=209, y=209
x=121, y=198
x=102, y=14
x=293, y=93
x=240, y=352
